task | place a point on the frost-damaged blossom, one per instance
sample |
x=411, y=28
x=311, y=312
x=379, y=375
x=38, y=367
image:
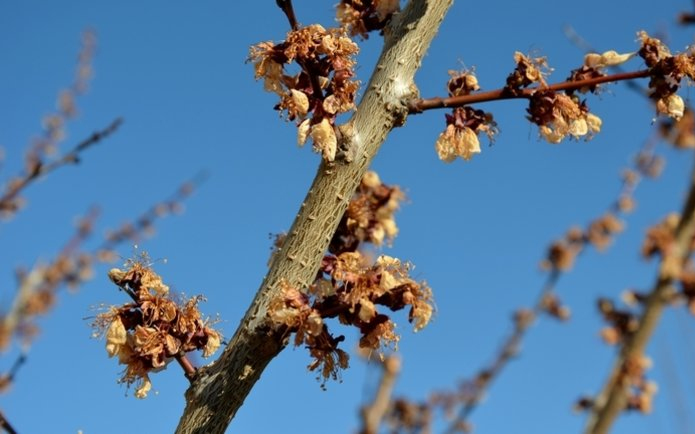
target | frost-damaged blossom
x=528, y=71
x=460, y=138
x=148, y=333
x=360, y=17
x=369, y=216
x=352, y=289
x=321, y=90
x=666, y=73
x=593, y=67
x=559, y=115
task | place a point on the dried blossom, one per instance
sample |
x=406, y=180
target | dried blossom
x=666, y=74
x=528, y=71
x=681, y=132
x=369, y=216
x=351, y=289
x=322, y=89
x=601, y=230
x=462, y=83
x=621, y=323
x=360, y=17
x=460, y=138
x=149, y=332
x=559, y=115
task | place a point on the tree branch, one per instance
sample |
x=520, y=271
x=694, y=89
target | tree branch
x=219, y=390
x=613, y=398
x=373, y=414
x=422, y=104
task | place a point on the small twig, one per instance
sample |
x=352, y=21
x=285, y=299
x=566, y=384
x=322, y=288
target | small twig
x=373, y=414
x=5, y=424
x=507, y=352
x=612, y=399
x=509, y=348
x=39, y=169
x=286, y=6
x=419, y=105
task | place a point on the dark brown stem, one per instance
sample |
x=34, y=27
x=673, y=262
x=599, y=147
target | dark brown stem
x=419, y=105
x=188, y=369
x=5, y=424
x=286, y=6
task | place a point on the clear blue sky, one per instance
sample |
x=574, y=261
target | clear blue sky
x=476, y=231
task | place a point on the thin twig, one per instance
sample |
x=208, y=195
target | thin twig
x=419, y=105
x=373, y=414
x=288, y=10
x=613, y=398
x=5, y=424
x=507, y=352
x=71, y=157
x=524, y=319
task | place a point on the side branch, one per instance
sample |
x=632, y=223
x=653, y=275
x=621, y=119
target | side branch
x=39, y=169
x=419, y=105
x=613, y=398
x=219, y=390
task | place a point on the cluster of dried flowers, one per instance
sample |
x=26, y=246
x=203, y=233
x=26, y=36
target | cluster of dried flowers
x=321, y=90
x=640, y=390
x=460, y=138
x=562, y=253
x=351, y=287
x=660, y=241
x=154, y=329
x=369, y=216
x=562, y=114
x=360, y=17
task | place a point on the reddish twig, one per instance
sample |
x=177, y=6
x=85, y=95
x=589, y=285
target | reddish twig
x=419, y=105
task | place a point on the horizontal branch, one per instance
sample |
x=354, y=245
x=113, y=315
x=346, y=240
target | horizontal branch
x=419, y=105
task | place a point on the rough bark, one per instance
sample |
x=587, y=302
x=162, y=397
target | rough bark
x=219, y=389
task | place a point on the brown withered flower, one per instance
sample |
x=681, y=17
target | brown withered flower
x=460, y=138
x=360, y=17
x=322, y=89
x=559, y=115
x=147, y=333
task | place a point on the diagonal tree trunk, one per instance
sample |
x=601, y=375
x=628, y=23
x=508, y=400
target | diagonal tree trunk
x=219, y=389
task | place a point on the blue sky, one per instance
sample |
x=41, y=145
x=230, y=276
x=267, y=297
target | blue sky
x=476, y=231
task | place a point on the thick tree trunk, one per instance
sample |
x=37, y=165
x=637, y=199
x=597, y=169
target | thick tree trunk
x=219, y=390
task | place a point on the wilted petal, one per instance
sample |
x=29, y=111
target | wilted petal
x=145, y=387
x=672, y=106
x=609, y=58
x=324, y=139
x=116, y=336
x=301, y=101
x=303, y=132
